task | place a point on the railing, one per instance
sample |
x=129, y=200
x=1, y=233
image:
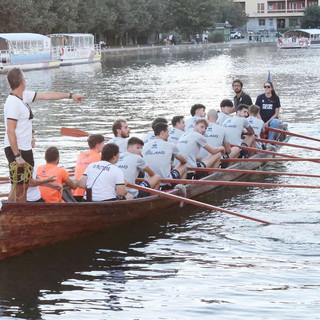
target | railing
x=97, y=49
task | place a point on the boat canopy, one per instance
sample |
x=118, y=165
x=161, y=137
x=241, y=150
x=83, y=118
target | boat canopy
x=22, y=43
x=76, y=40
x=314, y=33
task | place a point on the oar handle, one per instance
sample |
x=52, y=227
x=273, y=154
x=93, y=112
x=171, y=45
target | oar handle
x=191, y=201
x=285, y=144
x=292, y=134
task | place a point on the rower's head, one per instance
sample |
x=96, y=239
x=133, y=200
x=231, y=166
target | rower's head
x=212, y=116
x=226, y=106
x=110, y=153
x=16, y=78
x=52, y=155
x=158, y=120
x=201, y=126
x=254, y=110
x=178, y=122
x=237, y=85
x=242, y=110
x=96, y=142
x=120, y=129
x=161, y=131
x=135, y=146
x=198, y=110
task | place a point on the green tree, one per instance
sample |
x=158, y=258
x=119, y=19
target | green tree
x=192, y=15
x=311, y=18
x=231, y=12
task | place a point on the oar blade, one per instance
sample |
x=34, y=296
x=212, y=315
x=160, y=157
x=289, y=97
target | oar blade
x=73, y=132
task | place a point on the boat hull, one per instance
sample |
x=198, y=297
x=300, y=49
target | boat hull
x=28, y=226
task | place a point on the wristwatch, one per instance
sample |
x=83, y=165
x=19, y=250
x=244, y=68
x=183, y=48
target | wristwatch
x=17, y=156
x=70, y=95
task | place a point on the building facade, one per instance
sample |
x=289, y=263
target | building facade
x=273, y=15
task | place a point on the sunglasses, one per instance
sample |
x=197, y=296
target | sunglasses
x=30, y=111
x=267, y=87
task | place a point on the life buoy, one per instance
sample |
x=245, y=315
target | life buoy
x=280, y=42
x=301, y=42
x=307, y=42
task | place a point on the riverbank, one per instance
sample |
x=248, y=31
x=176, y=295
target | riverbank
x=186, y=46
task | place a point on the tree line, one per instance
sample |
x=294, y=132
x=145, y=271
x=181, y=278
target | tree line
x=118, y=21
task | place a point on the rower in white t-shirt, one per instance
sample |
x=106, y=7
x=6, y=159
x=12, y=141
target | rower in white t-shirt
x=121, y=133
x=132, y=163
x=103, y=178
x=216, y=137
x=150, y=136
x=256, y=124
x=227, y=108
x=197, y=111
x=177, y=131
x=158, y=154
x=190, y=144
x=238, y=124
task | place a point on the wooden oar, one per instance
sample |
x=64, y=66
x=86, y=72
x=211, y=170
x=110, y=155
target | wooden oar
x=253, y=172
x=190, y=201
x=286, y=144
x=4, y=195
x=292, y=134
x=269, y=159
x=73, y=132
x=266, y=152
x=237, y=183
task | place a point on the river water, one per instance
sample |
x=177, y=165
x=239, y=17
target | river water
x=188, y=263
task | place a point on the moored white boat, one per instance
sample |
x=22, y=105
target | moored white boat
x=75, y=48
x=299, y=39
x=27, y=51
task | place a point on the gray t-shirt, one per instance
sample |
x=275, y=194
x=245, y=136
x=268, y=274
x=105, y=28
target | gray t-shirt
x=148, y=137
x=222, y=117
x=174, y=135
x=189, y=146
x=189, y=123
x=258, y=126
x=157, y=155
x=234, y=127
x=122, y=143
x=131, y=164
x=216, y=137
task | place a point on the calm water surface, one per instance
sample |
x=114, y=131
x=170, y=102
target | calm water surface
x=189, y=263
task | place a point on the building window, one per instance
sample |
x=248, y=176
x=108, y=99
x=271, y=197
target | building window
x=270, y=7
x=293, y=6
x=262, y=22
x=281, y=5
x=260, y=7
x=293, y=22
x=303, y=5
x=271, y=22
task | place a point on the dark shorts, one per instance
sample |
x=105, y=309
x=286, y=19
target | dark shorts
x=243, y=153
x=223, y=165
x=27, y=157
x=143, y=194
x=39, y=200
x=198, y=174
x=175, y=174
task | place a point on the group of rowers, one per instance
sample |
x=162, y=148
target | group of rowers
x=103, y=172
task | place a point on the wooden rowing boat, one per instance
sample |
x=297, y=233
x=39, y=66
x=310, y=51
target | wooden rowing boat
x=26, y=226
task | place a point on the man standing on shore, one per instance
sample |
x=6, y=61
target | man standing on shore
x=241, y=97
x=18, y=128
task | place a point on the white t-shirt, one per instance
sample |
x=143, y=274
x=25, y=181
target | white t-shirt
x=33, y=193
x=174, y=135
x=131, y=164
x=17, y=109
x=157, y=154
x=103, y=177
x=122, y=143
x=234, y=127
x=216, y=137
x=222, y=117
x=189, y=146
x=190, y=122
x=258, y=126
x=148, y=137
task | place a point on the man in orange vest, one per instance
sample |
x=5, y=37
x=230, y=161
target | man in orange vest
x=96, y=143
x=52, y=169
